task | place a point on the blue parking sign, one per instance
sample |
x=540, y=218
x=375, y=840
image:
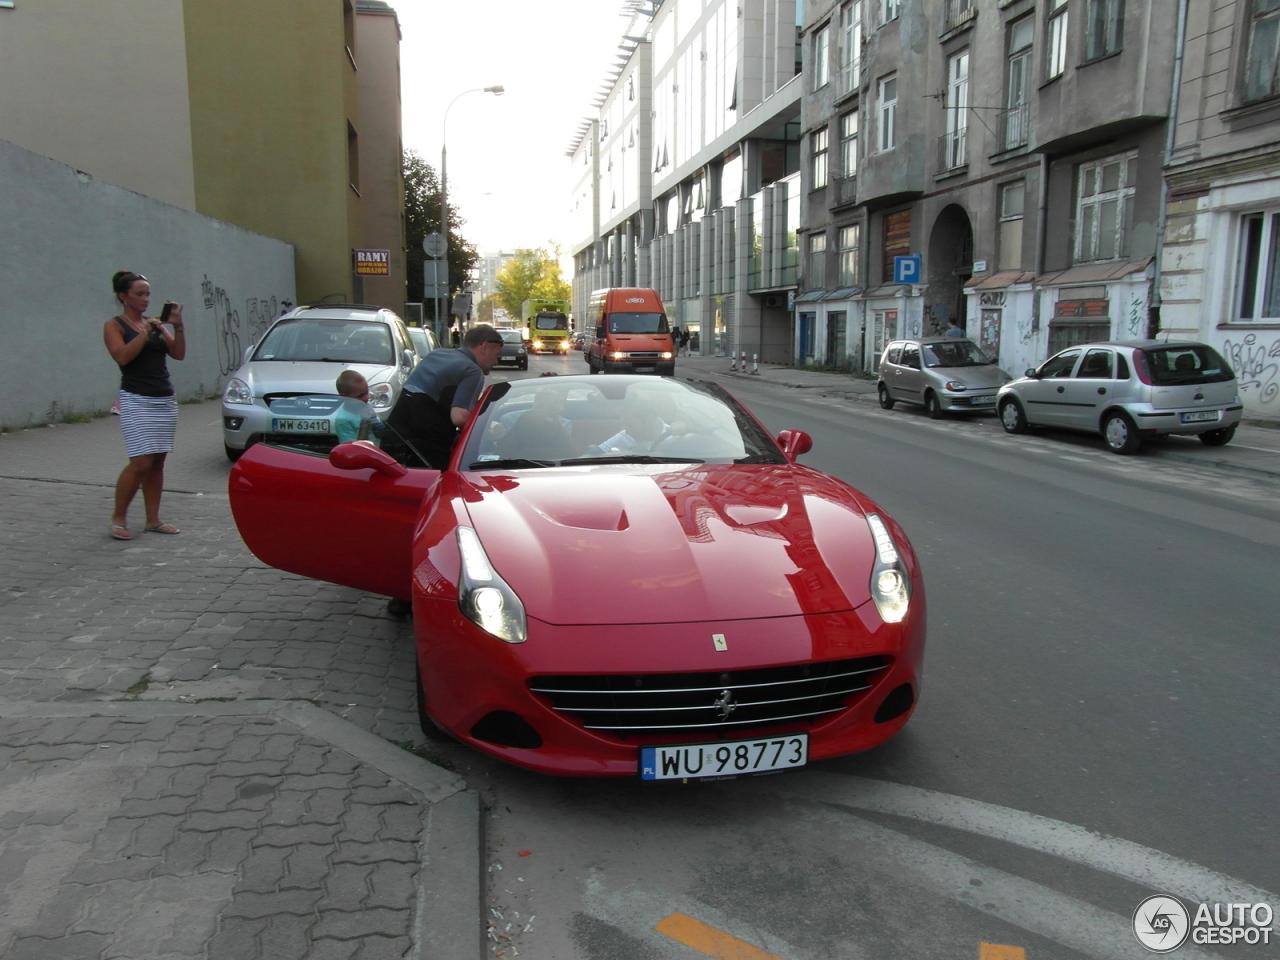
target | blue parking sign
x=906, y=269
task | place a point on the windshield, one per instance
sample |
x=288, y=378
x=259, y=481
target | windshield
x=551, y=321
x=330, y=341
x=511, y=336
x=537, y=423
x=1186, y=363
x=638, y=323
x=954, y=353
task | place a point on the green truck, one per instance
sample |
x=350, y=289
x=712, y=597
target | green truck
x=546, y=325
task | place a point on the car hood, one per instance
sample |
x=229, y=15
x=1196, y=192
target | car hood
x=304, y=376
x=717, y=542
x=976, y=378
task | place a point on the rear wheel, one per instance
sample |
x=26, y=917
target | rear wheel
x=1120, y=433
x=1218, y=438
x=886, y=401
x=933, y=407
x=1012, y=418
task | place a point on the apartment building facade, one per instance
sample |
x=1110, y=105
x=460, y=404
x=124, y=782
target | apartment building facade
x=687, y=179
x=259, y=113
x=1220, y=270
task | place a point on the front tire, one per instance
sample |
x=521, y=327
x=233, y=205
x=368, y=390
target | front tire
x=1012, y=418
x=886, y=401
x=524, y=364
x=1218, y=438
x=232, y=453
x=933, y=407
x=1120, y=433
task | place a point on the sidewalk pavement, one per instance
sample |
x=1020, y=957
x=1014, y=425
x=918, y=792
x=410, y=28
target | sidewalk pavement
x=202, y=757
x=1255, y=450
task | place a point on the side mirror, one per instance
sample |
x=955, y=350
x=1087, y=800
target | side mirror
x=600, y=332
x=1030, y=372
x=407, y=359
x=794, y=443
x=363, y=455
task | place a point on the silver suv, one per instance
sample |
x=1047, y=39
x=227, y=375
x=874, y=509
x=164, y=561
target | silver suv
x=1127, y=390
x=942, y=374
x=302, y=353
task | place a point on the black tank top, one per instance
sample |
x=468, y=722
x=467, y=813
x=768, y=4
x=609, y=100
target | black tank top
x=146, y=374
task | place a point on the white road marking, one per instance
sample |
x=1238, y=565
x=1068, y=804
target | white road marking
x=1153, y=869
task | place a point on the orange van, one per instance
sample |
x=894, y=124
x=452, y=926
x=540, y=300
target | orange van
x=630, y=333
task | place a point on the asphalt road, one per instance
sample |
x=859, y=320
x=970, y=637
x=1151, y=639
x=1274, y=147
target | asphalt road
x=1098, y=724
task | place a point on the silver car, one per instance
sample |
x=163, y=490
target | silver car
x=302, y=353
x=1127, y=390
x=941, y=374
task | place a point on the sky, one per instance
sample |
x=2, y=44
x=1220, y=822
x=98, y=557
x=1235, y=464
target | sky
x=508, y=173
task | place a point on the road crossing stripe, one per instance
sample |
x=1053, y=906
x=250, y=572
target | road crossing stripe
x=710, y=941
x=998, y=951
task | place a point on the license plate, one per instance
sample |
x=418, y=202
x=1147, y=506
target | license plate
x=733, y=758
x=645, y=369
x=291, y=425
x=1199, y=416
x=977, y=400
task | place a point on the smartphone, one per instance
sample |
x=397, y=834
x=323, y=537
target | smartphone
x=164, y=314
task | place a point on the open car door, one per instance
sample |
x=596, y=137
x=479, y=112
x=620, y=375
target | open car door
x=346, y=516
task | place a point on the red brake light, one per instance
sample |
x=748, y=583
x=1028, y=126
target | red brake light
x=1142, y=366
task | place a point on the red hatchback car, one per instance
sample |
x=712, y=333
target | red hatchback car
x=616, y=576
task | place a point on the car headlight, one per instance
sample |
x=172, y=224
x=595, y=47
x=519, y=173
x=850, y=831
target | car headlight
x=537, y=344
x=890, y=585
x=667, y=355
x=238, y=392
x=380, y=395
x=956, y=386
x=484, y=597
x=617, y=355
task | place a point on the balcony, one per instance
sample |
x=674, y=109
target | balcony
x=956, y=13
x=953, y=151
x=1015, y=126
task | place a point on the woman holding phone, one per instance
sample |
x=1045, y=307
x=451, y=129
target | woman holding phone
x=141, y=345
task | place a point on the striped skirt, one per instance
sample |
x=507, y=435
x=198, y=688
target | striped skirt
x=149, y=423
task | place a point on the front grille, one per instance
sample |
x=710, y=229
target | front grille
x=643, y=355
x=664, y=703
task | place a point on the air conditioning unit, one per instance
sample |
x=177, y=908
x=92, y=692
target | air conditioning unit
x=774, y=300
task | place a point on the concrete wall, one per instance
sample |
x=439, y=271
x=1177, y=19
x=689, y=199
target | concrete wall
x=64, y=233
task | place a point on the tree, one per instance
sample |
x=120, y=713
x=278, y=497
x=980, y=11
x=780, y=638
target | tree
x=421, y=217
x=530, y=275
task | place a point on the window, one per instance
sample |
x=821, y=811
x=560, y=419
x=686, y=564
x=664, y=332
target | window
x=849, y=144
x=1104, y=209
x=1260, y=79
x=849, y=256
x=816, y=273
x=1012, y=198
x=353, y=158
x=897, y=242
x=955, y=152
x=888, y=10
x=1097, y=365
x=1018, y=83
x=1056, y=63
x=888, y=96
x=1258, y=267
x=821, y=57
x=850, y=45
x=1104, y=28
x=818, y=159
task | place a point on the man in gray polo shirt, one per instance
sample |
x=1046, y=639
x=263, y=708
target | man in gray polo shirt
x=439, y=394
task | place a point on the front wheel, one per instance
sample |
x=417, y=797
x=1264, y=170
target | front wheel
x=933, y=407
x=524, y=364
x=1120, y=433
x=1218, y=438
x=886, y=401
x=1012, y=418
x=232, y=453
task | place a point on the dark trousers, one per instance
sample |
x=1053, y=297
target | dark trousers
x=426, y=427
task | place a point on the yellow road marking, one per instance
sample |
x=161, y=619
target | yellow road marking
x=715, y=943
x=998, y=951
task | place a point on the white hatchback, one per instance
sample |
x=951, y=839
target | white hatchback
x=1126, y=390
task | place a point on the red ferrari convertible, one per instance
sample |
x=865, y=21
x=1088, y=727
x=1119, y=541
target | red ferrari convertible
x=619, y=575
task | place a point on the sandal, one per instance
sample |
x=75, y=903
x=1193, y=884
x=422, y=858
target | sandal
x=120, y=532
x=162, y=528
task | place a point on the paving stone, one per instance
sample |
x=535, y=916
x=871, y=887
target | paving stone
x=363, y=923
x=256, y=905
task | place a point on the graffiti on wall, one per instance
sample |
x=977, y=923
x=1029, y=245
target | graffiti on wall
x=234, y=332
x=1257, y=365
x=1137, y=319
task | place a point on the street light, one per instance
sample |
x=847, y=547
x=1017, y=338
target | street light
x=496, y=90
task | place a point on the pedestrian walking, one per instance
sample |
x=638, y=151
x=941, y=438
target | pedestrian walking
x=684, y=342
x=141, y=346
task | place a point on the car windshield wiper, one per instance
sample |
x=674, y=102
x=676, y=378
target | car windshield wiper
x=760, y=458
x=636, y=458
x=512, y=463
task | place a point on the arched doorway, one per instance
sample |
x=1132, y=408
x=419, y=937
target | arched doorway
x=950, y=266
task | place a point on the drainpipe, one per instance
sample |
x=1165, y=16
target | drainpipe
x=1042, y=227
x=1153, y=311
